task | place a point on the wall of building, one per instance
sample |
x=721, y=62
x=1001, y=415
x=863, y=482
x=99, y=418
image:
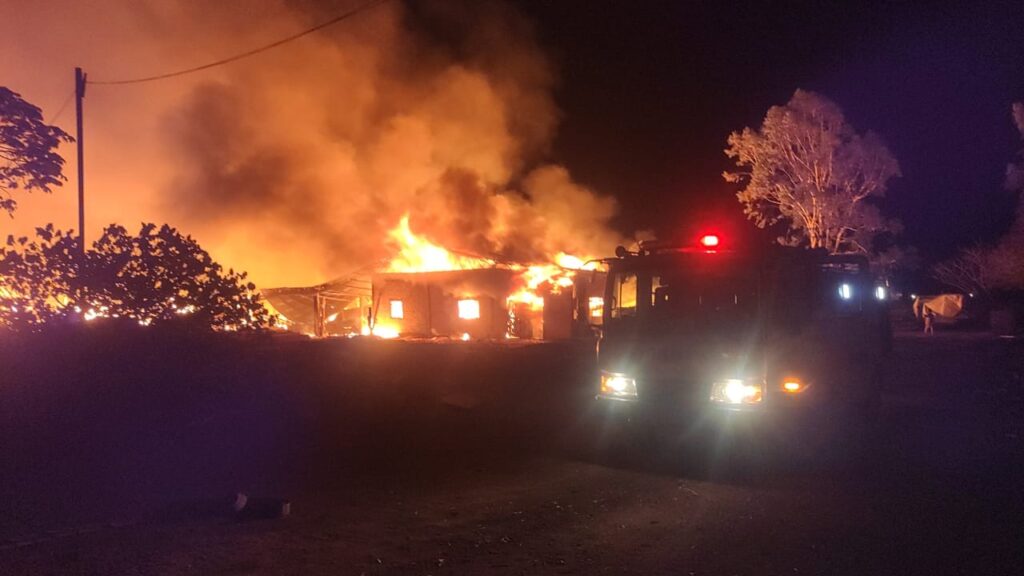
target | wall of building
x=430, y=302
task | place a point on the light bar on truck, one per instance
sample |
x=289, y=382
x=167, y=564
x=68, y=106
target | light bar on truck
x=710, y=241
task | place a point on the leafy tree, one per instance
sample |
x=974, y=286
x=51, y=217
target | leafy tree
x=807, y=168
x=28, y=157
x=38, y=277
x=155, y=276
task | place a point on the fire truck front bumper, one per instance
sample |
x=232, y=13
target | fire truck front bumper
x=699, y=418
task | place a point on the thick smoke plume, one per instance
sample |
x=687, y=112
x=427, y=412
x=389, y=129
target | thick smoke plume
x=304, y=159
x=295, y=163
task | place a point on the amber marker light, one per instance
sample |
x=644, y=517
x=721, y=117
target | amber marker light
x=793, y=386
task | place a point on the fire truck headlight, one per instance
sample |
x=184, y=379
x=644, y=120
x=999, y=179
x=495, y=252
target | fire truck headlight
x=737, y=391
x=617, y=385
x=845, y=291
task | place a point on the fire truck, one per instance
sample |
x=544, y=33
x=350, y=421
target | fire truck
x=707, y=337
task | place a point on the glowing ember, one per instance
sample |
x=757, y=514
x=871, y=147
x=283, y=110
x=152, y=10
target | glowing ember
x=379, y=331
x=384, y=332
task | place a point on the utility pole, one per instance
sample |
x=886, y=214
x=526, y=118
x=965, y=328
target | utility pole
x=79, y=95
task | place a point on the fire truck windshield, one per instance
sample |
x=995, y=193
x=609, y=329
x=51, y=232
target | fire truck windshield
x=674, y=295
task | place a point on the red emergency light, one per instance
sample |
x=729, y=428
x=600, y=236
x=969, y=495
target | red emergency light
x=709, y=241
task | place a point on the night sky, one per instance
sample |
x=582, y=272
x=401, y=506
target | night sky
x=650, y=91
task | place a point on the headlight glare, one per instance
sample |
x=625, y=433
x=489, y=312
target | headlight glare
x=737, y=391
x=617, y=385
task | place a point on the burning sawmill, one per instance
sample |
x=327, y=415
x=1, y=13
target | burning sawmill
x=427, y=291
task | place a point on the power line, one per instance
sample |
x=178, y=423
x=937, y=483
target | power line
x=61, y=109
x=246, y=54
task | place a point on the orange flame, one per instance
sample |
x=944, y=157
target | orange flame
x=558, y=276
x=417, y=254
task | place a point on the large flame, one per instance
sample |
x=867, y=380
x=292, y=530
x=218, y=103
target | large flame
x=415, y=253
x=418, y=254
x=554, y=277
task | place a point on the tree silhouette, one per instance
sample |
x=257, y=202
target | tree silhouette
x=806, y=167
x=152, y=277
x=28, y=157
x=36, y=277
x=1000, y=267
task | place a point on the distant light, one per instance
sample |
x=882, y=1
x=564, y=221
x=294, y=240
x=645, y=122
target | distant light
x=971, y=294
x=709, y=240
x=913, y=296
x=845, y=291
x=880, y=292
x=465, y=336
x=791, y=386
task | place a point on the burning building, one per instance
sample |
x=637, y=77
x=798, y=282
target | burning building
x=335, y=308
x=427, y=291
x=449, y=303
x=482, y=303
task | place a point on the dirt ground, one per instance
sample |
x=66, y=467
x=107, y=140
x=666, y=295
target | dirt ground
x=120, y=454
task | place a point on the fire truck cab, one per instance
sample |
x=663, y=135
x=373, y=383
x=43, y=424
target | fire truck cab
x=703, y=336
